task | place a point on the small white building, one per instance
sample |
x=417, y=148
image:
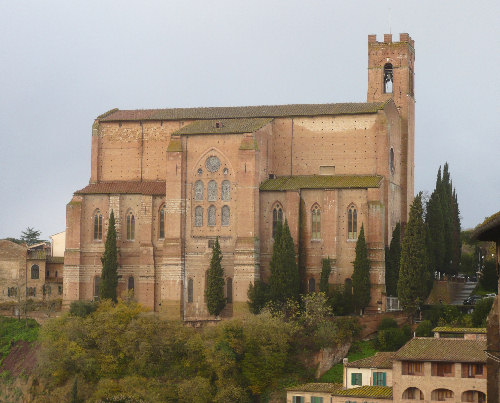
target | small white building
x=371, y=371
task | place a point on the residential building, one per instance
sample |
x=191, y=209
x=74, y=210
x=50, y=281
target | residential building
x=335, y=393
x=371, y=371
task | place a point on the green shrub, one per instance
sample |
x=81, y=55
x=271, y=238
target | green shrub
x=481, y=311
x=82, y=308
x=424, y=329
x=393, y=339
x=387, y=323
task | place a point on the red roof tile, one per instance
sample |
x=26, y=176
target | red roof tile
x=131, y=187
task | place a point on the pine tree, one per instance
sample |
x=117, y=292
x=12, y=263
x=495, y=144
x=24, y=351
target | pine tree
x=326, y=269
x=393, y=259
x=30, y=236
x=284, y=280
x=414, y=273
x=215, y=282
x=361, y=273
x=109, y=276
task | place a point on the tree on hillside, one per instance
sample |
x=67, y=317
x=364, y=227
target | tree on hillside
x=456, y=246
x=413, y=275
x=392, y=261
x=326, y=269
x=109, y=275
x=31, y=236
x=435, y=224
x=361, y=273
x=284, y=280
x=215, y=282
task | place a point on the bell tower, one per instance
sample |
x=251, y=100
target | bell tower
x=391, y=75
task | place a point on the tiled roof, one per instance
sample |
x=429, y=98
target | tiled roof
x=226, y=126
x=489, y=229
x=317, y=387
x=449, y=329
x=439, y=349
x=55, y=259
x=231, y=112
x=381, y=392
x=131, y=187
x=321, y=182
x=379, y=360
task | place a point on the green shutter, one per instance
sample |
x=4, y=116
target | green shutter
x=383, y=379
x=353, y=379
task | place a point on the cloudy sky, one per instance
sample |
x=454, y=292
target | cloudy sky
x=62, y=63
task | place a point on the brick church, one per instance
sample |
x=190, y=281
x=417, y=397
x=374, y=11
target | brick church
x=178, y=178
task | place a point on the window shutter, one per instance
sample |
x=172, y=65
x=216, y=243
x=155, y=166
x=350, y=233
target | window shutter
x=383, y=379
x=353, y=379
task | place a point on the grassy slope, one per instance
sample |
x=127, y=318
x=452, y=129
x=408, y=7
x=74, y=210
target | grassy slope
x=13, y=330
x=358, y=351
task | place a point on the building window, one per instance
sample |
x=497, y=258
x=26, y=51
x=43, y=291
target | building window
x=316, y=399
x=379, y=379
x=413, y=394
x=226, y=215
x=198, y=190
x=352, y=223
x=391, y=160
x=412, y=368
x=97, y=226
x=473, y=396
x=388, y=78
x=212, y=216
x=97, y=284
x=316, y=222
x=226, y=191
x=35, y=272
x=277, y=217
x=12, y=292
x=472, y=370
x=441, y=394
x=212, y=191
x=131, y=283
x=229, y=290
x=130, y=226
x=442, y=369
x=48, y=290
x=198, y=216
x=356, y=379
x=312, y=284
x=298, y=399
x=212, y=164
x=190, y=290
x=56, y=273
x=162, y=222
x=59, y=289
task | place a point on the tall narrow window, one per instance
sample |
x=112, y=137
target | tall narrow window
x=35, y=272
x=130, y=226
x=226, y=191
x=97, y=226
x=198, y=190
x=316, y=222
x=352, y=223
x=162, y=222
x=97, y=283
x=225, y=214
x=391, y=160
x=229, y=290
x=312, y=284
x=212, y=214
x=212, y=191
x=190, y=290
x=277, y=217
x=131, y=283
x=388, y=78
x=198, y=216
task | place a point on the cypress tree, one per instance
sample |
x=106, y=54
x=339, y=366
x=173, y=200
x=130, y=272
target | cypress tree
x=302, y=247
x=109, y=260
x=414, y=273
x=326, y=269
x=393, y=259
x=215, y=282
x=456, y=231
x=445, y=197
x=284, y=280
x=361, y=273
x=435, y=224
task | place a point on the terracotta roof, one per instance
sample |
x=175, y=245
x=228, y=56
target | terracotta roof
x=489, y=229
x=131, y=187
x=449, y=329
x=379, y=360
x=381, y=392
x=231, y=112
x=321, y=182
x=224, y=126
x=439, y=349
x=317, y=387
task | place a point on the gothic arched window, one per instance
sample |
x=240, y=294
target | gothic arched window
x=97, y=226
x=162, y=222
x=198, y=190
x=130, y=226
x=198, y=216
x=212, y=214
x=35, y=272
x=226, y=215
x=388, y=78
x=131, y=283
x=226, y=191
x=316, y=222
x=229, y=290
x=312, y=284
x=277, y=217
x=352, y=223
x=190, y=290
x=212, y=191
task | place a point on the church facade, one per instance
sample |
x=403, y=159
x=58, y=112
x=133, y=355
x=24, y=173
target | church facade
x=178, y=178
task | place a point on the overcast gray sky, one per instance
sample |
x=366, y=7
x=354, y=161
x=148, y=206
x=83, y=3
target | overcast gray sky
x=62, y=63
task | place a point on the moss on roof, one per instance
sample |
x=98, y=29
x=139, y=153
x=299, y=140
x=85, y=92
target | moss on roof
x=120, y=187
x=231, y=112
x=449, y=329
x=379, y=360
x=442, y=349
x=174, y=145
x=488, y=230
x=223, y=126
x=381, y=392
x=317, y=387
x=321, y=182
x=55, y=259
